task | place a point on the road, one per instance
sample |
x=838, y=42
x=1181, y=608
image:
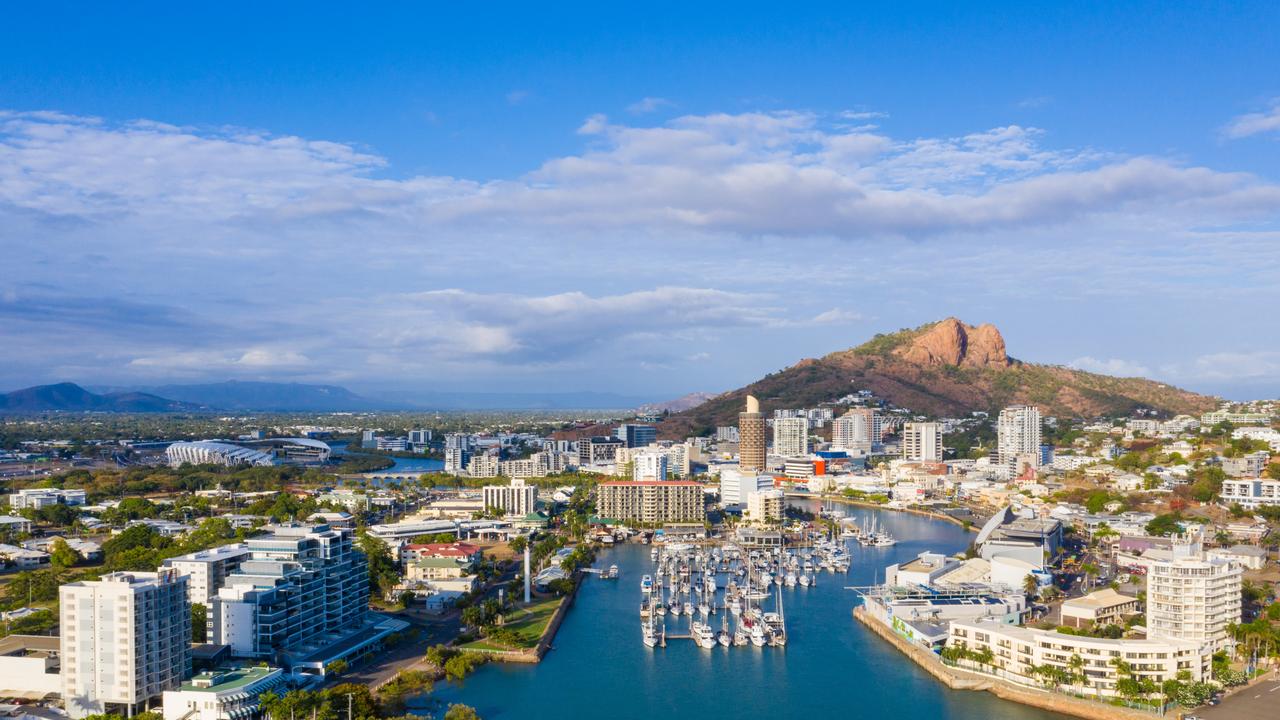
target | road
x=1255, y=703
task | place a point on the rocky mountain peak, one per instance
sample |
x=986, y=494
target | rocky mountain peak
x=951, y=342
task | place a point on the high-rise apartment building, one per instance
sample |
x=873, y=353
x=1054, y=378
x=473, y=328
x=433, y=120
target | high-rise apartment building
x=300, y=586
x=651, y=501
x=922, y=442
x=751, y=444
x=514, y=499
x=726, y=433
x=125, y=640
x=633, y=435
x=859, y=429
x=1193, y=597
x=791, y=436
x=1018, y=434
x=455, y=460
x=206, y=570
x=598, y=450
x=650, y=464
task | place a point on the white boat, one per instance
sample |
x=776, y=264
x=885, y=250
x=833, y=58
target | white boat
x=649, y=635
x=805, y=581
x=688, y=608
x=758, y=637
x=676, y=609
x=704, y=636
x=704, y=608
x=613, y=572
x=790, y=579
x=646, y=583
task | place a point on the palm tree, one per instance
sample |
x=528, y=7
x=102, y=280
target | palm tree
x=1089, y=570
x=1030, y=585
x=1076, y=663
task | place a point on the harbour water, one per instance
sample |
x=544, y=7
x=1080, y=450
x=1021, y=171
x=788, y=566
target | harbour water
x=832, y=666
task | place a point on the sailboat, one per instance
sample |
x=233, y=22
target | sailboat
x=723, y=636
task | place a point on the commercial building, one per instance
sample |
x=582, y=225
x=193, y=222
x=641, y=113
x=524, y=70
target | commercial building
x=30, y=666
x=651, y=501
x=790, y=436
x=36, y=498
x=225, y=694
x=126, y=638
x=633, y=435
x=922, y=442
x=301, y=586
x=1193, y=597
x=1025, y=537
x=1102, y=607
x=1017, y=651
x=751, y=443
x=649, y=465
x=514, y=499
x=858, y=430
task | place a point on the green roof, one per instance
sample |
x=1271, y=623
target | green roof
x=225, y=680
x=438, y=562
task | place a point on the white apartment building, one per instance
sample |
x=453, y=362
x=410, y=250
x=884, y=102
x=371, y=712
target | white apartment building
x=456, y=459
x=765, y=506
x=1193, y=597
x=727, y=433
x=1017, y=650
x=1246, y=466
x=483, y=466
x=922, y=442
x=1251, y=493
x=736, y=486
x=791, y=436
x=1235, y=418
x=1018, y=434
x=859, y=429
x=126, y=638
x=206, y=570
x=651, y=465
x=514, y=499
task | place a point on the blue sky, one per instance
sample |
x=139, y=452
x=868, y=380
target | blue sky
x=652, y=200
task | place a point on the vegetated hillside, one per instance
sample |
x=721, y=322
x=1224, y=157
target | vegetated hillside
x=944, y=369
x=69, y=397
x=271, y=397
x=680, y=404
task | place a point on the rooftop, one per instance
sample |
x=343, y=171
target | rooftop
x=218, y=681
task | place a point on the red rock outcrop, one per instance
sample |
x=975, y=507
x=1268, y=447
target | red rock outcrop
x=951, y=342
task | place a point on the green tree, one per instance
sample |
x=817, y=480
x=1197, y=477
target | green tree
x=461, y=712
x=199, y=623
x=336, y=667
x=62, y=555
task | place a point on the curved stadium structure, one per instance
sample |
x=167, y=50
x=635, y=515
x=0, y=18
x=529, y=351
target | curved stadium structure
x=215, y=452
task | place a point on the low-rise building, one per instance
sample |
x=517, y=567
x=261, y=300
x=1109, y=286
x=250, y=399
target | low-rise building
x=30, y=666
x=1102, y=607
x=225, y=694
x=36, y=498
x=766, y=507
x=1250, y=493
x=1017, y=651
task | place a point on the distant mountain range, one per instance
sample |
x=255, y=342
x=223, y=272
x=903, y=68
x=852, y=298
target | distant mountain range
x=69, y=397
x=680, y=404
x=945, y=369
x=237, y=396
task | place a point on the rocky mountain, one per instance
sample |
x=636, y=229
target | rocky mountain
x=944, y=369
x=69, y=397
x=236, y=395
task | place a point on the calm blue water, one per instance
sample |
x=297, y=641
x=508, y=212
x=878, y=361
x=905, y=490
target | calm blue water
x=401, y=464
x=832, y=665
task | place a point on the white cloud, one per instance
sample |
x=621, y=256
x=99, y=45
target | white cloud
x=1110, y=366
x=1254, y=123
x=1237, y=365
x=648, y=105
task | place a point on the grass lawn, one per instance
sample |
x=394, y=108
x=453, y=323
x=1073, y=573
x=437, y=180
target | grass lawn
x=483, y=644
x=528, y=623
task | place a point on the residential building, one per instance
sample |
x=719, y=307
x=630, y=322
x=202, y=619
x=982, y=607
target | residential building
x=1246, y=466
x=736, y=486
x=922, y=442
x=598, y=450
x=790, y=436
x=727, y=433
x=859, y=430
x=514, y=499
x=224, y=694
x=765, y=507
x=15, y=524
x=649, y=465
x=651, y=501
x=1210, y=419
x=456, y=460
x=126, y=638
x=1250, y=493
x=206, y=570
x=634, y=435
x=1018, y=432
x=393, y=444
x=1018, y=651
x=483, y=466
x=1193, y=597
x=300, y=586
x=751, y=443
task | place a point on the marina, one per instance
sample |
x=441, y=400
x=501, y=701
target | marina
x=830, y=664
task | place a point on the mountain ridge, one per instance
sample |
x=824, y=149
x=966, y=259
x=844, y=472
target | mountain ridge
x=70, y=397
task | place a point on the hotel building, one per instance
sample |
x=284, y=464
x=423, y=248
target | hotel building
x=651, y=501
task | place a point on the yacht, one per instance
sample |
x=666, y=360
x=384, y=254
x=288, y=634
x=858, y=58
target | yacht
x=646, y=583
x=805, y=581
x=649, y=634
x=704, y=636
x=613, y=572
x=757, y=635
